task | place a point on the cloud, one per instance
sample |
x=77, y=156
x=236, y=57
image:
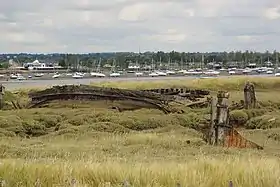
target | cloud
x=124, y=25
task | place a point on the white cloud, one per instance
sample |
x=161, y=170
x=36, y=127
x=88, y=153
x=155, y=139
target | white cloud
x=170, y=36
x=272, y=13
x=123, y=25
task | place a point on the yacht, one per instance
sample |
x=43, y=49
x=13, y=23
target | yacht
x=56, y=75
x=14, y=76
x=182, y=71
x=246, y=71
x=153, y=74
x=231, y=72
x=160, y=73
x=38, y=75
x=94, y=74
x=20, y=77
x=113, y=70
x=169, y=72
x=269, y=72
x=78, y=75
x=212, y=73
x=97, y=73
x=115, y=75
x=139, y=74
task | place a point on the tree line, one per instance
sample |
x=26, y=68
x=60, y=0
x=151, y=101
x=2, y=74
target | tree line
x=123, y=59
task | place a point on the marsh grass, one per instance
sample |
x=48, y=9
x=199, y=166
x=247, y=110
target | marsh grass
x=235, y=83
x=245, y=172
x=94, y=145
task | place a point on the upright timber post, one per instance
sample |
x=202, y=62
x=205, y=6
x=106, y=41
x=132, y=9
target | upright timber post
x=213, y=110
x=220, y=119
x=2, y=91
x=249, y=96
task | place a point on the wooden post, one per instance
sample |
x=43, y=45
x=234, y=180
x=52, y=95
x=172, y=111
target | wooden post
x=222, y=125
x=213, y=110
x=249, y=96
x=219, y=126
x=2, y=91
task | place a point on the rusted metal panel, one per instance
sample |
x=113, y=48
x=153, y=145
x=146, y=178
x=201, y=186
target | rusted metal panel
x=235, y=139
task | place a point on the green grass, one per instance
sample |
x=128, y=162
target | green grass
x=93, y=145
x=223, y=83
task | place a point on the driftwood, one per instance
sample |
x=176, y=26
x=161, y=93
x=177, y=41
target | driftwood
x=84, y=92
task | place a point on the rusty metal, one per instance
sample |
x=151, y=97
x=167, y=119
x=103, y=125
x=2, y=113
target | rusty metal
x=235, y=139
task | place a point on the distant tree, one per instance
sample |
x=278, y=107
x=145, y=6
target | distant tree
x=4, y=65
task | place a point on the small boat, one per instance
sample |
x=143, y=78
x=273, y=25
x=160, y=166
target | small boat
x=55, y=76
x=29, y=76
x=138, y=74
x=39, y=75
x=182, y=71
x=13, y=76
x=169, y=72
x=153, y=74
x=78, y=75
x=212, y=73
x=277, y=74
x=269, y=72
x=115, y=75
x=20, y=77
x=246, y=71
x=232, y=72
x=94, y=74
x=160, y=73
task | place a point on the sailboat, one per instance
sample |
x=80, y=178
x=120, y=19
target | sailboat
x=78, y=75
x=160, y=73
x=168, y=71
x=153, y=73
x=138, y=73
x=114, y=74
x=277, y=74
x=98, y=73
x=56, y=75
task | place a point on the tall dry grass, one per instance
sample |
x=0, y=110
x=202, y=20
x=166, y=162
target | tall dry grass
x=220, y=83
x=163, y=153
x=202, y=171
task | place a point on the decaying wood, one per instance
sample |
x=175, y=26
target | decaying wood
x=182, y=93
x=199, y=104
x=81, y=92
x=220, y=132
x=249, y=96
x=221, y=122
x=213, y=111
x=2, y=91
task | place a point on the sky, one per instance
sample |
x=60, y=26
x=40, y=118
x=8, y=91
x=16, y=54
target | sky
x=84, y=26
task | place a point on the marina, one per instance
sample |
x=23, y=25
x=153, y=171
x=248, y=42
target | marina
x=33, y=83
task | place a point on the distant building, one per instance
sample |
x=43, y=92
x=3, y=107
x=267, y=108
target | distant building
x=252, y=65
x=214, y=65
x=268, y=63
x=233, y=64
x=36, y=65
